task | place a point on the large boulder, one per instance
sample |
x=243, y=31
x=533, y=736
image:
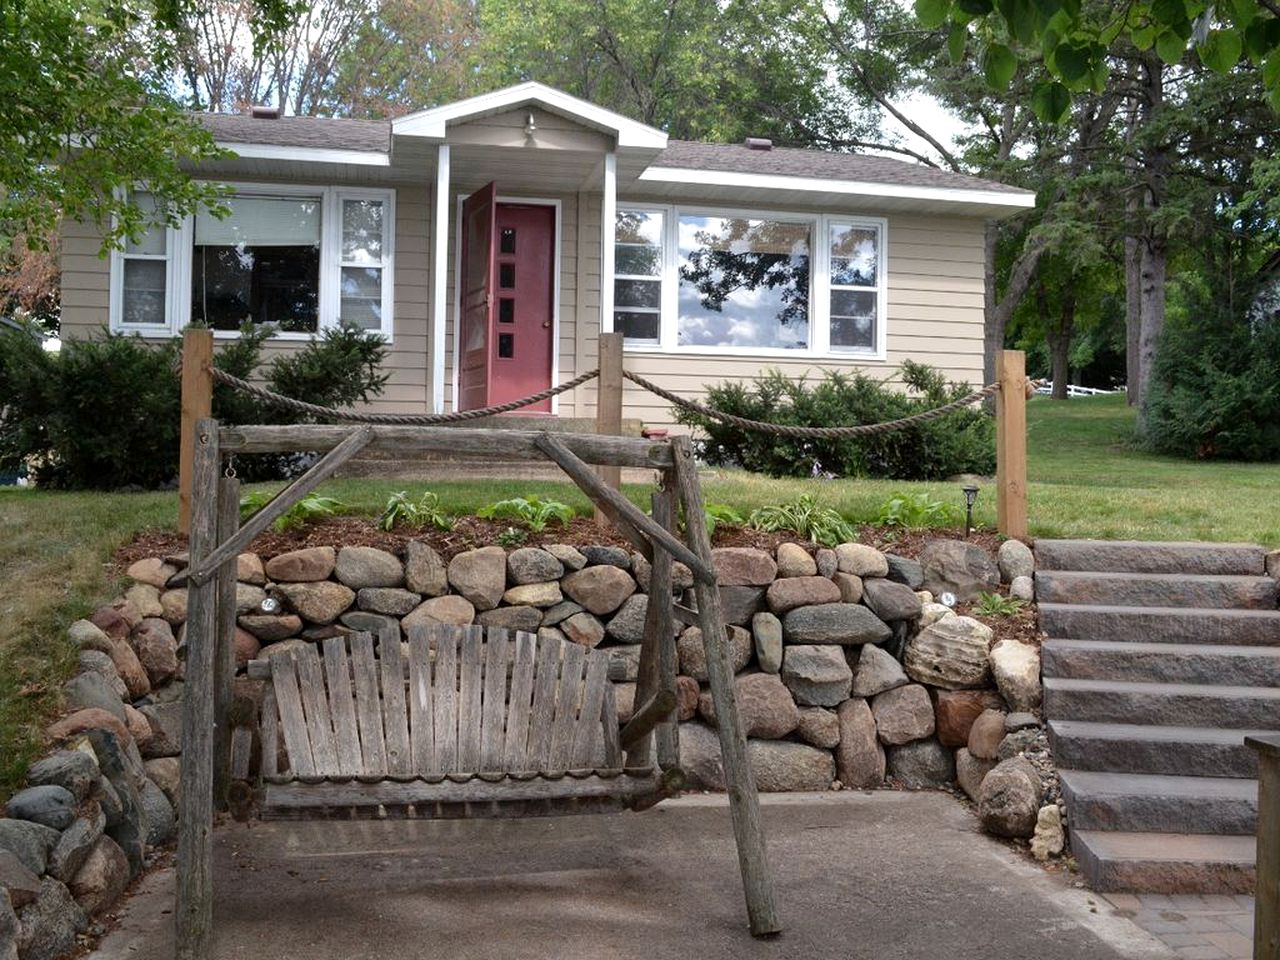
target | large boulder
x=765, y=706
x=448, y=609
x=739, y=604
x=1015, y=559
x=533, y=565
x=905, y=571
x=153, y=641
x=782, y=766
x=921, y=763
x=525, y=618
x=318, y=601
x=583, y=628
x=817, y=676
x=29, y=842
x=298, y=566
x=891, y=601
x=876, y=671
x=819, y=727
x=49, y=926
x=795, y=561
x=96, y=661
x=951, y=654
x=956, y=710
x=860, y=759
x=22, y=885
x=861, y=560
x=766, y=631
x=480, y=576
x=601, y=589
x=627, y=625
x=84, y=720
x=903, y=714
x=1009, y=799
x=102, y=877
x=389, y=601
x=424, y=571
x=692, y=651
x=792, y=592
x=158, y=813
x=743, y=567
x=541, y=595
x=845, y=624
x=271, y=628
x=958, y=567
x=49, y=805
x=971, y=771
x=985, y=734
x=74, y=770
x=89, y=691
x=360, y=567
x=1016, y=668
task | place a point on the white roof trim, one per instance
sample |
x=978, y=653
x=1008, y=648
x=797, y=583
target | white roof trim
x=434, y=122
x=275, y=151
x=769, y=181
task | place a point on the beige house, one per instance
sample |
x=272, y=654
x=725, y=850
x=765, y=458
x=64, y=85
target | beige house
x=490, y=241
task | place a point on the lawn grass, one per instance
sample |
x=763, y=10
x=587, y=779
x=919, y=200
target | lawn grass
x=1086, y=480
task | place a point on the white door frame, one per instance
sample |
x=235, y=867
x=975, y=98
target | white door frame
x=555, y=290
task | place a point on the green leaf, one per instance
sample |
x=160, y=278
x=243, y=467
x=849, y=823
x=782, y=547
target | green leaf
x=1170, y=47
x=1221, y=50
x=1143, y=37
x=1255, y=39
x=932, y=13
x=957, y=40
x=1051, y=102
x=1169, y=12
x=1273, y=98
x=1071, y=61
x=1242, y=12
x=977, y=8
x=999, y=65
x=1271, y=72
x=1021, y=15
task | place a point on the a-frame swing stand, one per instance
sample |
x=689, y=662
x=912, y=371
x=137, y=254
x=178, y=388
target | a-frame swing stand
x=473, y=724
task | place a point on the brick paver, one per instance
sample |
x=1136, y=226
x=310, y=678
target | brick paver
x=1194, y=927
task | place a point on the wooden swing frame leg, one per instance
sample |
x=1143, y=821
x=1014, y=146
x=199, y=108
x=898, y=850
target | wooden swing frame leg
x=744, y=804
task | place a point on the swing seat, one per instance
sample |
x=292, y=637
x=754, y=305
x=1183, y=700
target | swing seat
x=457, y=722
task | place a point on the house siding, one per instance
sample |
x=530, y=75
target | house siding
x=86, y=299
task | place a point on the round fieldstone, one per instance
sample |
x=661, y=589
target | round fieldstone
x=424, y=572
x=783, y=766
x=1009, y=799
x=29, y=842
x=958, y=567
x=318, y=601
x=89, y=691
x=49, y=805
x=51, y=924
x=249, y=569
x=792, y=592
x=985, y=734
x=599, y=555
x=600, y=589
x=817, y=676
x=794, y=561
x=1014, y=559
x=891, y=601
x=512, y=618
x=362, y=621
x=627, y=625
x=921, y=763
x=583, y=628
x=876, y=671
x=480, y=576
x=113, y=622
x=533, y=565
x=931, y=613
x=299, y=566
x=905, y=571
x=19, y=886
x=145, y=599
x=1016, y=668
x=166, y=773
x=158, y=813
x=95, y=661
x=541, y=595
x=819, y=727
x=173, y=606
x=826, y=561
x=551, y=635
x=692, y=652
x=860, y=759
x=687, y=691
x=153, y=641
x=1023, y=588
x=360, y=567
x=765, y=706
x=951, y=654
x=151, y=570
x=743, y=567
x=72, y=849
x=956, y=711
x=903, y=714
x=561, y=611
x=861, y=560
x=739, y=604
x=391, y=601
x=270, y=628
x=249, y=598
x=571, y=557
x=76, y=771
x=84, y=720
x=87, y=635
x=628, y=657
x=850, y=585
x=971, y=771
x=102, y=878
x=450, y=609
x=766, y=632
x=844, y=624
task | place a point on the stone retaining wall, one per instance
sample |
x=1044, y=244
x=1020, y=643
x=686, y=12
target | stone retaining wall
x=849, y=674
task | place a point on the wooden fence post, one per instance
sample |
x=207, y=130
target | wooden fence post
x=1011, y=444
x=609, y=403
x=197, y=403
x=1266, y=915
x=224, y=657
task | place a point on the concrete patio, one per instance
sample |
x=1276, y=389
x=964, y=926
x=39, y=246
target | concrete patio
x=884, y=875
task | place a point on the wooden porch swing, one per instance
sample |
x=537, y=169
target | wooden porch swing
x=462, y=722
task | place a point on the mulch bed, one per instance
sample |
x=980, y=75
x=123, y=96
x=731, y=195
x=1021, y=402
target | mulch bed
x=471, y=532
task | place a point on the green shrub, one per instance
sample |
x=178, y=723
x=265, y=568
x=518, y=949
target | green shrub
x=534, y=512
x=918, y=511
x=104, y=413
x=960, y=442
x=1215, y=389
x=423, y=512
x=804, y=517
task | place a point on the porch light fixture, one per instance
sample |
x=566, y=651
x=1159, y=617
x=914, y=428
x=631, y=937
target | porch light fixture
x=970, y=498
x=530, y=126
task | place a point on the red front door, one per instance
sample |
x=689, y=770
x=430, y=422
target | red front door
x=507, y=333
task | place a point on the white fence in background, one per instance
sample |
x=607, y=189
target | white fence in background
x=1046, y=388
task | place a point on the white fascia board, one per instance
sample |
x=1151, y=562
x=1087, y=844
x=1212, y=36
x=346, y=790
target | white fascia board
x=767, y=181
x=433, y=123
x=274, y=151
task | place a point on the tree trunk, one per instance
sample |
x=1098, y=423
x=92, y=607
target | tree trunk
x=1132, y=318
x=1155, y=255
x=1060, y=347
x=1153, y=247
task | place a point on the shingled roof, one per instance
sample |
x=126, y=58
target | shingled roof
x=793, y=162
x=370, y=135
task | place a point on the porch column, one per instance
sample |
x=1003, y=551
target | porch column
x=608, y=215
x=439, y=276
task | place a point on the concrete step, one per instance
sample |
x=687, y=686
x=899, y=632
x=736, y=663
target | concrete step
x=1162, y=662
x=1136, y=556
x=1142, y=748
x=1165, y=862
x=1155, y=803
x=1157, y=589
x=1160, y=624
x=1116, y=701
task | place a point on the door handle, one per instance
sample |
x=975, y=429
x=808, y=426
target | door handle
x=546, y=324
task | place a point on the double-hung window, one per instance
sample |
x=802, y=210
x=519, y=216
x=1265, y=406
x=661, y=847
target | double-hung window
x=742, y=282
x=301, y=259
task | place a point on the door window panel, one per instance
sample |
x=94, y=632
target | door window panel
x=362, y=269
x=144, y=271
x=637, y=284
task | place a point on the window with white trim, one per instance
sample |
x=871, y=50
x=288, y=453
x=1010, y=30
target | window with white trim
x=746, y=282
x=299, y=258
